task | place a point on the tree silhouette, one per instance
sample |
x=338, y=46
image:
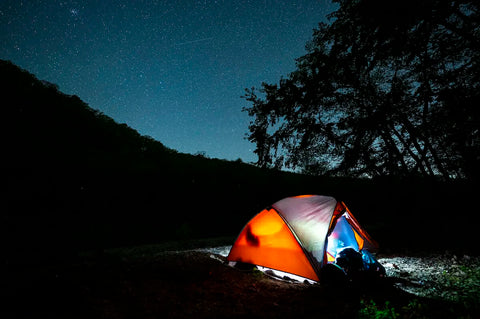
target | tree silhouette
x=384, y=89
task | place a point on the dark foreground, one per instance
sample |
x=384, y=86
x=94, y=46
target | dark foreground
x=156, y=283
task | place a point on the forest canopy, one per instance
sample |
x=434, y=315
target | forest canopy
x=385, y=88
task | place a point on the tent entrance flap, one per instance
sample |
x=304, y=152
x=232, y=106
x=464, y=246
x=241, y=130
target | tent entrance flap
x=341, y=237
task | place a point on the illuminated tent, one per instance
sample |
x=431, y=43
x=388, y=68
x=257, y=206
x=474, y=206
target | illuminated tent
x=299, y=235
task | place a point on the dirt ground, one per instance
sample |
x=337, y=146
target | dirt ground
x=198, y=284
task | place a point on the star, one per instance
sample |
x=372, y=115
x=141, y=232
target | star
x=183, y=65
x=74, y=12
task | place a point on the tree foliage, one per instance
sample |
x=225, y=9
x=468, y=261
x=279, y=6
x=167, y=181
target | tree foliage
x=386, y=88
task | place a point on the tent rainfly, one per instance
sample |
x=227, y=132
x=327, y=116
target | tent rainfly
x=299, y=235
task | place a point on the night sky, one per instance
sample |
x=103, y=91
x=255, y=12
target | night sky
x=173, y=70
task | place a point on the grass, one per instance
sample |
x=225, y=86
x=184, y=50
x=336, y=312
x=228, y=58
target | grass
x=369, y=309
x=461, y=285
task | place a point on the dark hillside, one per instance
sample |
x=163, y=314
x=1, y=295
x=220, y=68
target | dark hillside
x=47, y=128
x=75, y=179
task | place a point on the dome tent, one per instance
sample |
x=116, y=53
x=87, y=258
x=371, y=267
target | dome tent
x=299, y=235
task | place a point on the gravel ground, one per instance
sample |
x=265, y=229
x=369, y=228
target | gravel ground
x=447, y=277
x=439, y=276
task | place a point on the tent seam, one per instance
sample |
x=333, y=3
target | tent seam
x=300, y=242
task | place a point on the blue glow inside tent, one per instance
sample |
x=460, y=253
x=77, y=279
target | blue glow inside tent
x=341, y=237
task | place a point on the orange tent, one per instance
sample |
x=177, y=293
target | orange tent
x=299, y=235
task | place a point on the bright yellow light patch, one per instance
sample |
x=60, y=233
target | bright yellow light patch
x=359, y=240
x=267, y=224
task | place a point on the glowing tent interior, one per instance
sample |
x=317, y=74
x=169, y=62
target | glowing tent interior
x=299, y=235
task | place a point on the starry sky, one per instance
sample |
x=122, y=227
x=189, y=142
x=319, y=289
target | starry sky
x=172, y=70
